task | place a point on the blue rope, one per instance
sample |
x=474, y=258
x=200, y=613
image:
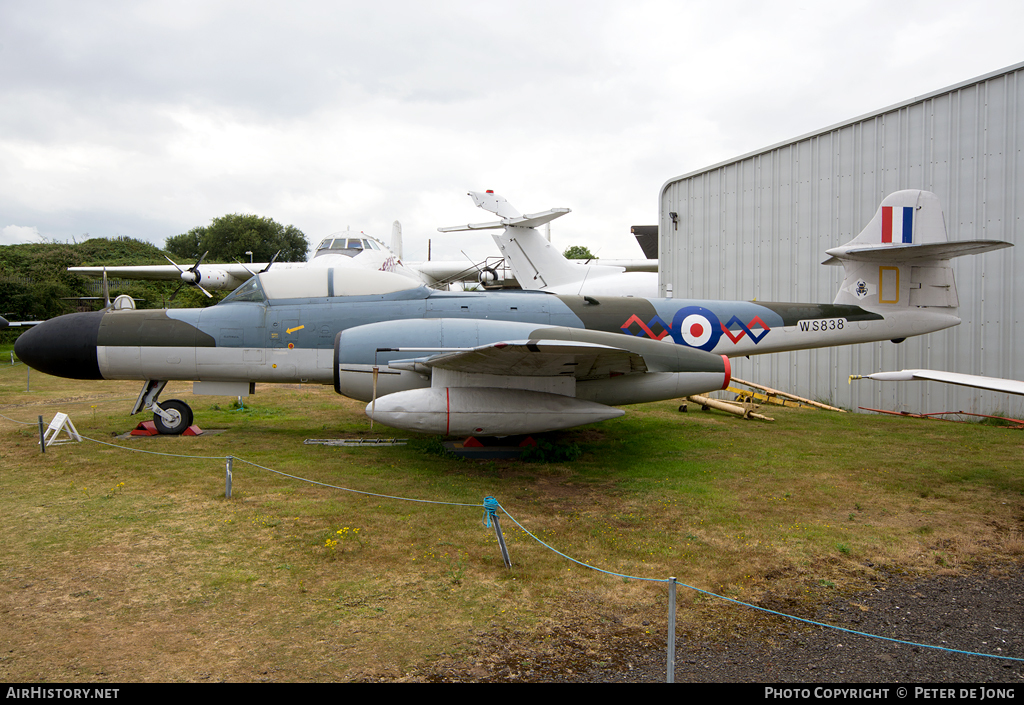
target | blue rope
x=347, y=489
x=491, y=507
x=760, y=609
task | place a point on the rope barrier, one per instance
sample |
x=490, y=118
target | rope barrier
x=348, y=489
x=756, y=607
x=490, y=506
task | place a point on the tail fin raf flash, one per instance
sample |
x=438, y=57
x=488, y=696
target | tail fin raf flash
x=901, y=258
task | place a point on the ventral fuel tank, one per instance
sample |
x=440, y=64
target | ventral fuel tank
x=483, y=411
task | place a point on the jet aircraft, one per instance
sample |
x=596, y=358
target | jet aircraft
x=537, y=265
x=507, y=362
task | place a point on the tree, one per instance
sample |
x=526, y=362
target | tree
x=578, y=252
x=231, y=236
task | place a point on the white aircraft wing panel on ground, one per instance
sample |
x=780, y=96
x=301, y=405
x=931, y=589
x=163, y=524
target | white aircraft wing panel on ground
x=995, y=384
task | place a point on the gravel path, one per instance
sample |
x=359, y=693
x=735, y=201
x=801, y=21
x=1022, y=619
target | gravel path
x=982, y=613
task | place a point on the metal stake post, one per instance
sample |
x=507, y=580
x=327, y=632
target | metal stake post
x=227, y=481
x=42, y=436
x=671, y=673
x=491, y=514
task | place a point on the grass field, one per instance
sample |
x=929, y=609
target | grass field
x=125, y=566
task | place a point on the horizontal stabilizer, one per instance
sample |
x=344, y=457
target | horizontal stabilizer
x=912, y=253
x=530, y=220
x=472, y=226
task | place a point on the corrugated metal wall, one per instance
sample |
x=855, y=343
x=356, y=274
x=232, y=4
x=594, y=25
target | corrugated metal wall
x=757, y=227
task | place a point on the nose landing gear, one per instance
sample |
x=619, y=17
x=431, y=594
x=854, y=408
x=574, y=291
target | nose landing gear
x=172, y=417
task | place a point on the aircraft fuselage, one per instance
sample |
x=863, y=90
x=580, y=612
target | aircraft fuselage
x=294, y=340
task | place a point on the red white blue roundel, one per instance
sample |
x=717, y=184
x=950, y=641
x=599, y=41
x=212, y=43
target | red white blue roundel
x=696, y=327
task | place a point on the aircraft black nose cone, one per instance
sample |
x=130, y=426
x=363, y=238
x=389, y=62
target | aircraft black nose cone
x=64, y=346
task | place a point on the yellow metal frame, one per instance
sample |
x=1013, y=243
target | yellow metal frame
x=881, y=285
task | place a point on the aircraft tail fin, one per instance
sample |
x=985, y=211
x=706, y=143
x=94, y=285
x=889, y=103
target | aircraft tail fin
x=396, y=239
x=534, y=261
x=490, y=201
x=538, y=265
x=901, y=258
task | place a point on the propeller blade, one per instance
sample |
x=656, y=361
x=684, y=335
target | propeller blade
x=174, y=263
x=192, y=275
x=243, y=265
x=272, y=260
x=106, y=291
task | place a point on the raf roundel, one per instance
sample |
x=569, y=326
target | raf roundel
x=696, y=327
x=696, y=330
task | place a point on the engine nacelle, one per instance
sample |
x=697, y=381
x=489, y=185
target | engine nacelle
x=482, y=411
x=211, y=278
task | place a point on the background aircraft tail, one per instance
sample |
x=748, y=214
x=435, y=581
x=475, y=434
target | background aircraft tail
x=533, y=260
x=538, y=265
x=901, y=259
x=396, y=239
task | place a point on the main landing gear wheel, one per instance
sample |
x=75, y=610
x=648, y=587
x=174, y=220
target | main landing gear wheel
x=181, y=418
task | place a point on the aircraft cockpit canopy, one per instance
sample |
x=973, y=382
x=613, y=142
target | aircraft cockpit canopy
x=308, y=283
x=348, y=246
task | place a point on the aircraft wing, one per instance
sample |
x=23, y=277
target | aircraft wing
x=541, y=384
x=996, y=384
x=536, y=358
x=447, y=270
x=543, y=358
x=167, y=272
x=630, y=265
x=4, y=323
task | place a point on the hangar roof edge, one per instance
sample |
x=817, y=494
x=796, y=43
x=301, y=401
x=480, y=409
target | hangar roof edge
x=874, y=113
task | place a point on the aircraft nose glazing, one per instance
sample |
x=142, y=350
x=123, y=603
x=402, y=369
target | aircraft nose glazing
x=64, y=346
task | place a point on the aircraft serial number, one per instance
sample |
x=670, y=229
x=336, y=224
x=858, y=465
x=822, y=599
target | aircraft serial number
x=821, y=324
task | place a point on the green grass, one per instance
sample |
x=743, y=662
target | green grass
x=127, y=566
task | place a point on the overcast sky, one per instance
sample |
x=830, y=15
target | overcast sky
x=147, y=119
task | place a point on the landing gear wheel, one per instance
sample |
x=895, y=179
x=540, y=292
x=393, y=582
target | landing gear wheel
x=181, y=414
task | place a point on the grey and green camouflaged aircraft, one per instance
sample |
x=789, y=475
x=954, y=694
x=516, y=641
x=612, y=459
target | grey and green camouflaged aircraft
x=508, y=362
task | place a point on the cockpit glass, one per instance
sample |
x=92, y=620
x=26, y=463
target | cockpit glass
x=250, y=291
x=350, y=246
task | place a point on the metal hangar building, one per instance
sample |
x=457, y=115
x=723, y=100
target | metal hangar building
x=757, y=227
